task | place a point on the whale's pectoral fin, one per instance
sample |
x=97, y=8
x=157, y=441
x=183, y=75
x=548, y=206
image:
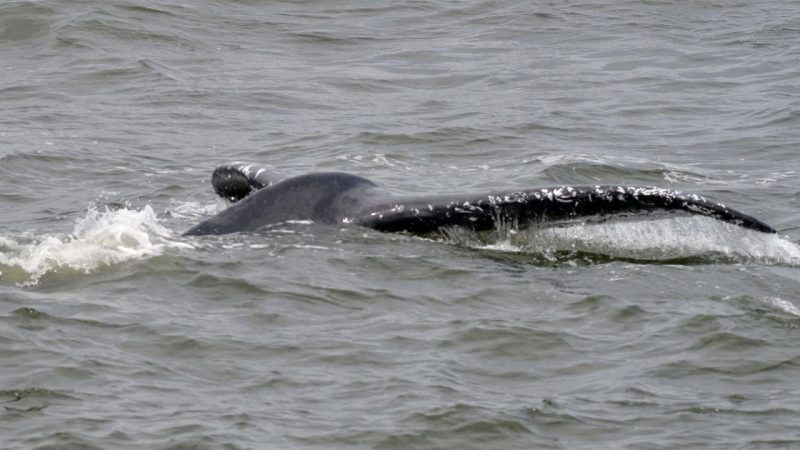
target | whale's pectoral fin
x=235, y=181
x=523, y=207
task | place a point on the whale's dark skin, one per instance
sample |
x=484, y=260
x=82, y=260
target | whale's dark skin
x=263, y=197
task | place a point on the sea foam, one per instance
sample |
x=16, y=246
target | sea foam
x=99, y=239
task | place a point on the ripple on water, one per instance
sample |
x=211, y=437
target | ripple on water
x=24, y=23
x=445, y=427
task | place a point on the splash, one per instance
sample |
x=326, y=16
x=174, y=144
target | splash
x=781, y=305
x=672, y=239
x=99, y=239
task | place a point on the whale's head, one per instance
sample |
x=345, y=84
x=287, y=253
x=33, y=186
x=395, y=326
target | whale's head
x=237, y=180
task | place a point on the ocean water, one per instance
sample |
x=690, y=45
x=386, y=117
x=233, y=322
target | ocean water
x=642, y=333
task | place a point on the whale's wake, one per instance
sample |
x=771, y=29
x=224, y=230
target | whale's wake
x=677, y=239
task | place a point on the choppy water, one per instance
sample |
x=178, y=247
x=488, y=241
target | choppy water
x=117, y=333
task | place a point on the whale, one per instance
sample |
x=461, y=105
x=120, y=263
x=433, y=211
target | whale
x=262, y=197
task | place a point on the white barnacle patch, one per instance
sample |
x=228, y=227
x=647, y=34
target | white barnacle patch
x=398, y=208
x=697, y=198
x=430, y=207
x=564, y=195
x=513, y=197
x=547, y=193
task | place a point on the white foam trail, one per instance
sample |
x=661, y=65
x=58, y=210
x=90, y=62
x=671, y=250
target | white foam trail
x=99, y=239
x=654, y=240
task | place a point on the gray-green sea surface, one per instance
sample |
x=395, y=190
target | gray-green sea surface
x=642, y=333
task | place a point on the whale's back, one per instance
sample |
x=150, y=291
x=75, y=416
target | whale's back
x=320, y=197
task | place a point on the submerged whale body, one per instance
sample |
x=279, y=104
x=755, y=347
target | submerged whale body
x=263, y=197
